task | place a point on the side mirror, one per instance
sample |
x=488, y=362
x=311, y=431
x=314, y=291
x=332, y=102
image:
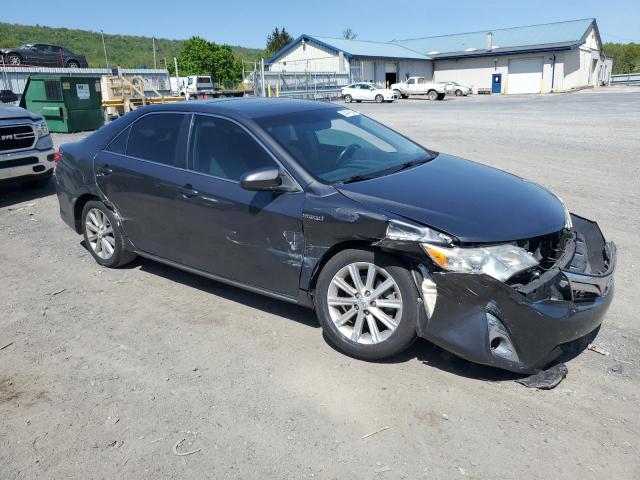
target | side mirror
x=267, y=178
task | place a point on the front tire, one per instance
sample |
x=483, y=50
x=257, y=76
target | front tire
x=103, y=236
x=458, y=93
x=367, y=304
x=73, y=64
x=348, y=98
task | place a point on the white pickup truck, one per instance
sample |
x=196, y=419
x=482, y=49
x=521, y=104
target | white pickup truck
x=420, y=86
x=26, y=150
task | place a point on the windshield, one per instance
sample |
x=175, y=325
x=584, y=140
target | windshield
x=342, y=145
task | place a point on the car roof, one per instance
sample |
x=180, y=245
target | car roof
x=246, y=107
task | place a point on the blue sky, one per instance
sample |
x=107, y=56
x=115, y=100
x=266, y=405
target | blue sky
x=619, y=21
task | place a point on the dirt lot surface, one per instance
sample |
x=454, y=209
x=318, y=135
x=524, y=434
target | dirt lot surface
x=103, y=372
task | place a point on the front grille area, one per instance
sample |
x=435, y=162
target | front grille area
x=16, y=137
x=547, y=249
x=18, y=162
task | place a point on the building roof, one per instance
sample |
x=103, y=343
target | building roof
x=354, y=48
x=545, y=36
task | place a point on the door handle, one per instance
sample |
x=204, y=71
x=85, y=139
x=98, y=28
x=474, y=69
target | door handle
x=187, y=191
x=104, y=171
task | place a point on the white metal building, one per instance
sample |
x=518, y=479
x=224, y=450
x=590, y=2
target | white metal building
x=552, y=57
x=378, y=62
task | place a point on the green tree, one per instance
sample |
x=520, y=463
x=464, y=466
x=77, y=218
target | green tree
x=349, y=34
x=227, y=69
x=196, y=57
x=200, y=57
x=277, y=39
x=626, y=56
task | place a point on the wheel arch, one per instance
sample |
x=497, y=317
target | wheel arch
x=17, y=54
x=78, y=206
x=329, y=254
x=340, y=247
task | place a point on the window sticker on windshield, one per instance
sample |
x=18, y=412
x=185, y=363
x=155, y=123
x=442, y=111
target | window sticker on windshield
x=348, y=113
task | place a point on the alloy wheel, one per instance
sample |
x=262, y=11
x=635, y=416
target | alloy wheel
x=364, y=303
x=100, y=233
x=13, y=59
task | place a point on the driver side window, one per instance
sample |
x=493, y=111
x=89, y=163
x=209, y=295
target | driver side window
x=411, y=81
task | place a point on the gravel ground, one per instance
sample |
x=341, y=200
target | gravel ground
x=105, y=371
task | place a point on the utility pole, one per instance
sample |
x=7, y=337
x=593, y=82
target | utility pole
x=155, y=65
x=104, y=47
x=175, y=64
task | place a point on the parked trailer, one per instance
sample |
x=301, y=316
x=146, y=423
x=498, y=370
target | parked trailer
x=202, y=87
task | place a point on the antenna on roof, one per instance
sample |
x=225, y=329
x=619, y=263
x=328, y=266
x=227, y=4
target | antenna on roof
x=489, y=40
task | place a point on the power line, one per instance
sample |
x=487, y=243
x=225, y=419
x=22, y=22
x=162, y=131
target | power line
x=619, y=37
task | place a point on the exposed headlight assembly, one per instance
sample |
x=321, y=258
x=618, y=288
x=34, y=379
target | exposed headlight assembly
x=409, y=232
x=499, y=261
x=41, y=129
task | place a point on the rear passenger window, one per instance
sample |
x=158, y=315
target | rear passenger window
x=155, y=137
x=223, y=149
x=119, y=144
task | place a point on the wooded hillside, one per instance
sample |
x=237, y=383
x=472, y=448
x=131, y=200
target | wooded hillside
x=127, y=51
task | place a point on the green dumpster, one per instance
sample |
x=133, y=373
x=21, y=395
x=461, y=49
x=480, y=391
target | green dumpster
x=68, y=104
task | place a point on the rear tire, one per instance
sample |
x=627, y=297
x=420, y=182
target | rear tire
x=379, y=98
x=73, y=64
x=13, y=59
x=432, y=95
x=356, y=328
x=348, y=98
x=398, y=94
x=103, y=237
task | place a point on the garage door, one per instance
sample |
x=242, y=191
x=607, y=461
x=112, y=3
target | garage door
x=368, y=69
x=525, y=75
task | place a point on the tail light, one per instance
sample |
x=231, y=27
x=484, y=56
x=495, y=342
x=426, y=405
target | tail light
x=57, y=157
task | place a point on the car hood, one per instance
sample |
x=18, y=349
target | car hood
x=10, y=112
x=473, y=202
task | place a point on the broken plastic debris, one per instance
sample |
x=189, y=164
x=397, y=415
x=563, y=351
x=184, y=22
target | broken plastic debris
x=546, y=379
x=595, y=348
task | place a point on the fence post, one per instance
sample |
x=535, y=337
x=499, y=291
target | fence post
x=262, y=76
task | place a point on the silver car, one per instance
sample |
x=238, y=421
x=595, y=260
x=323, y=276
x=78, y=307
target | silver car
x=454, y=88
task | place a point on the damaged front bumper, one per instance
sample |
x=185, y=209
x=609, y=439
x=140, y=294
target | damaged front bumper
x=522, y=327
